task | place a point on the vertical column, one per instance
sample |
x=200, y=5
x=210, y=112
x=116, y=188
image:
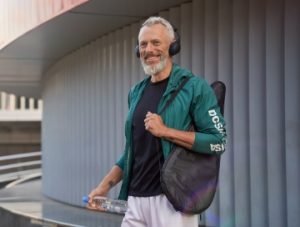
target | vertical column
x=275, y=113
x=292, y=110
x=211, y=43
x=225, y=74
x=3, y=100
x=241, y=113
x=211, y=74
x=257, y=116
x=120, y=99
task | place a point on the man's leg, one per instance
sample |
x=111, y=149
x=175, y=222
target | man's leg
x=164, y=215
x=134, y=215
x=155, y=211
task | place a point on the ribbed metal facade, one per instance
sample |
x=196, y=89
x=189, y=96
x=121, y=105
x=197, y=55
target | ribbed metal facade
x=253, y=46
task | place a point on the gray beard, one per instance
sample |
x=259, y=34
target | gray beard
x=152, y=70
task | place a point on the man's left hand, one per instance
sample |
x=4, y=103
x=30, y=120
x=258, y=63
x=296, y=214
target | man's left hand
x=154, y=124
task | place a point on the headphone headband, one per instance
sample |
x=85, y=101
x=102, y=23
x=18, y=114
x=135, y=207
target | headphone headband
x=173, y=49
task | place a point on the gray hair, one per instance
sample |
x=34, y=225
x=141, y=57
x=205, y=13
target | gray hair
x=159, y=20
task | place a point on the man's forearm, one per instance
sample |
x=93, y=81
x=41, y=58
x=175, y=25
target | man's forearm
x=182, y=138
x=114, y=176
x=154, y=124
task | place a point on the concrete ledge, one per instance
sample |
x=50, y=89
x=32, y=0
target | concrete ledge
x=11, y=219
x=24, y=206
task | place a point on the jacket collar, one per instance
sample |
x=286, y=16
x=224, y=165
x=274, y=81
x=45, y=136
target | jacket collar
x=176, y=76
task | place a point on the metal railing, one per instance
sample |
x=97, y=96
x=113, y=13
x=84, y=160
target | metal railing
x=19, y=167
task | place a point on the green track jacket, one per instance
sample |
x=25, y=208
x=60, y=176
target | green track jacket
x=195, y=102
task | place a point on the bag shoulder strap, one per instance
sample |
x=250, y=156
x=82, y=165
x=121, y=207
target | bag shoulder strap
x=173, y=96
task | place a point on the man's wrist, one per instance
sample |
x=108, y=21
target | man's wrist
x=105, y=187
x=166, y=133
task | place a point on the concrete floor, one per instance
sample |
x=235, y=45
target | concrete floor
x=24, y=206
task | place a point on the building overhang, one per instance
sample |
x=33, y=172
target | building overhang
x=24, y=61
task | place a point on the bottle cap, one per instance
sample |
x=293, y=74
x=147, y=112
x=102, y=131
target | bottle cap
x=85, y=199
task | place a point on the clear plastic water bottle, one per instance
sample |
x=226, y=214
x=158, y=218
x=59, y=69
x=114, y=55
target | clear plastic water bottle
x=109, y=205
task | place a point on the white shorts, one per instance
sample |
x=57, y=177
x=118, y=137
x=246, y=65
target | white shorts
x=155, y=211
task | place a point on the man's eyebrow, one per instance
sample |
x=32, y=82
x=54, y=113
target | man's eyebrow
x=151, y=40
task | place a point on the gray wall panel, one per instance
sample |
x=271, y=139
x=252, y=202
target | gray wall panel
x=210, y=54
x=225, y=73
x=257, y=118
x=292, y=109
x=175, y=18
x=186, y=36
x=198, y=37
x=251, y=45
x=240, y=97
x=275, y=115
x=211, y=40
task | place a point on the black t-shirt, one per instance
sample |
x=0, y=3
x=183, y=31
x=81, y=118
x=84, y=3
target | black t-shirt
x=145, y=180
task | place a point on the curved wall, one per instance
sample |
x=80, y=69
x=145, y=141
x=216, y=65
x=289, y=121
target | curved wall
x=86, y=95
x=18, y=17
x=253, y=46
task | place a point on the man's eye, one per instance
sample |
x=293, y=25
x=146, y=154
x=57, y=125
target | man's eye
x=156, y=43
x=143, y=45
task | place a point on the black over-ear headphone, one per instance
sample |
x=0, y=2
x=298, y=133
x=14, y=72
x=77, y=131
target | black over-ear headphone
x=173, y=49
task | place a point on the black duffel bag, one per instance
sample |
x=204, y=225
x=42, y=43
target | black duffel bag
x=189, y=179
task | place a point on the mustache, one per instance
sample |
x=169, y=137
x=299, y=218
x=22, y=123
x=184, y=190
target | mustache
x=147, y=55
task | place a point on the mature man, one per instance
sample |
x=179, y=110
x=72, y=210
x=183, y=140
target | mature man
x=139, y=167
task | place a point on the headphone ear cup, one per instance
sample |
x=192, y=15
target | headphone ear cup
x=174, y=48
x=137, y=51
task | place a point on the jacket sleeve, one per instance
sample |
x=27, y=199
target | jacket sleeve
x=209, y=123
x=121, y=161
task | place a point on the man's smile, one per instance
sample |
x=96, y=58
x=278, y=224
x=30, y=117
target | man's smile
x=152, y=58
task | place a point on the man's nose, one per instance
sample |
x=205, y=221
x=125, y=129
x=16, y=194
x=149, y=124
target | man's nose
x=149, y=48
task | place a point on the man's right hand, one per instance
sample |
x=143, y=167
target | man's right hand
x=110, y=180
x=98, y=191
